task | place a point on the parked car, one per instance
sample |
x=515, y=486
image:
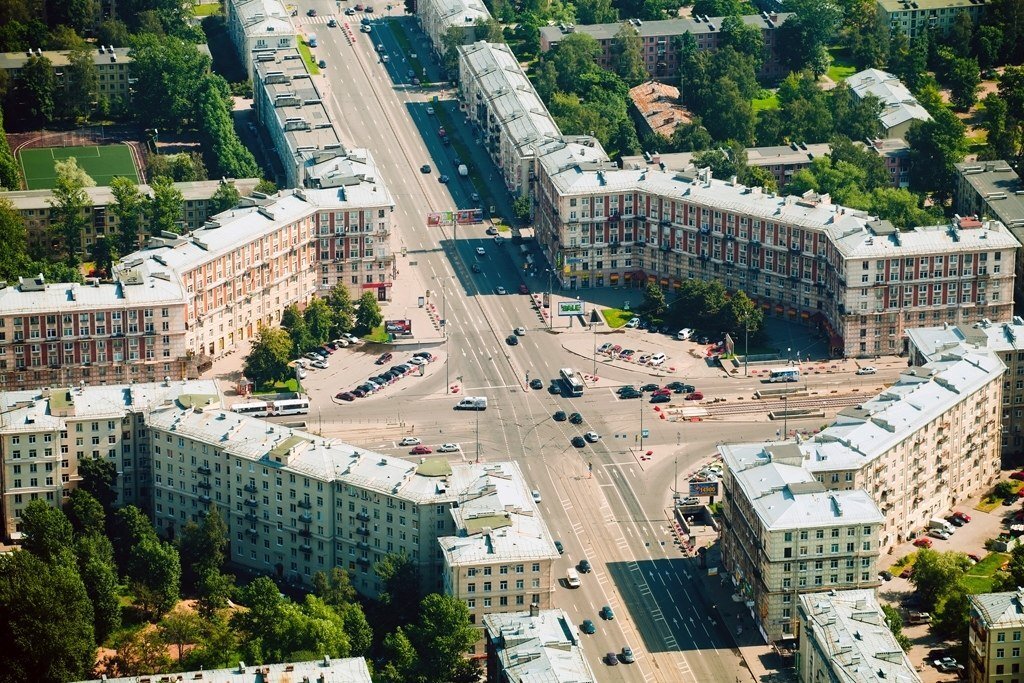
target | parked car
x=630, y=393
x=383, y=358
x=907, y=572
x=578, y=441
x=523, y=289
x=939, y=534
x=416, y=360
x=695, y=396
x=923, y=542
x=425, y=355
x=946, y=665
x=650, y=387
x=352, y=339
x=359, y=392
x=584, y=566
x=448, y=448
x=962, y=516
x=421, y=450
x=559, y=416
x=611, y=659
x=660, y=398
x=603, y=348
x=633, y=323
x=346, y=396
x=500, y=290
x=885, y=576
x=867, y=370
x=410, y=441
x=592, y=437
x=322, y=364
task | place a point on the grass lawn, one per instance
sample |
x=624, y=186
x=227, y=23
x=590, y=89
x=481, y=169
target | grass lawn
x=980, y=577
x=770, y=101
x=307, y=57
x=378, y=335
x=206, y=9
x=977, y=141
x=289, y=385
x=977, y=584
x=616, y=317
x=842, y=67
x=990, y=502
x=101, y=162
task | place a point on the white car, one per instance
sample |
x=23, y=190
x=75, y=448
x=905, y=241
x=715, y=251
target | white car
x=352, y=339
x=633, y=323
x=314, y=356
x=300, y=373
x=416, y=360
x=867, y=370
x=322, y=364
x=658, y=359
x=430, y=110
x=520, y=331
x=480, y=251
x=499, y=289
x=448, y=448
x=536, y=496
x=592, y=437
x=410, y=441
x=340, y=343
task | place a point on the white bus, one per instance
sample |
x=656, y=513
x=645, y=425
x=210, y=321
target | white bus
x=254, y=408
x=293, y=406
x=784, y=375
x=571, y=382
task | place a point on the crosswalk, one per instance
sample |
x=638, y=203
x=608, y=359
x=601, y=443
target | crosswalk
x=323, y=19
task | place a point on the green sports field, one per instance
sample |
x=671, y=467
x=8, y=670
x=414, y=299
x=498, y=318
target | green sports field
x=101, y=163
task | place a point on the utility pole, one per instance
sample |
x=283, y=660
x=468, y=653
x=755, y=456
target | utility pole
x=477, y=437
x=746, y=348
x=551, y=296
x=785, y=415
x=641, y=422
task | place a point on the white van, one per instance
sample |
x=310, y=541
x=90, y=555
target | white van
x=658, y=359
x=472, y=403
x=940, y=523
x=684, y=334
x=572, y=577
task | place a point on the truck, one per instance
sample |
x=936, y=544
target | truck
x=463, y=170
x=941, y=524
x=472, y=403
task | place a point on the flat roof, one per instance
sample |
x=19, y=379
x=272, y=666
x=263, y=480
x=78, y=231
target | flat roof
x=103, y=195
x=58, y=58
x=454, y=12
x=934, y=343
x=297, y=105
x=132, y=288
x=541, y=648
x=659, y=28
x=1000, y=187
x=999, y=610
x=259, y=17
x=926, y=5
x=326, y=670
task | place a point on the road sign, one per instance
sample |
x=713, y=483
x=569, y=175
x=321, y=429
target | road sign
x=645, y=433
x=566, y=308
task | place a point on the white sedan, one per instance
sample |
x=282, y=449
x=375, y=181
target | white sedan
x=410, y=441
x=448, y=448
x=416, y=360
x=592, y=437
x=867, y=370
x=322, y=364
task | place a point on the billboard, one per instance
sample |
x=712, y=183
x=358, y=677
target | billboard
x=703, y=488
x=570, y=308
x=398, y=326
x=464, y=216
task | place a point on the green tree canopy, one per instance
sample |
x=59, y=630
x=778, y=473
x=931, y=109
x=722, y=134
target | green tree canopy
x=81, y=84
x=10, y=174
x=293, y=321
x=99, y=575
x=175, y=74
x=936, y=146
x=937, y=574
x=368, y=313
x=201, y=546
x=85, y=513
x=13, y=237
x=319, y=320
x=47, y=532
x=342, y=309
x=442, y=635
x=69, y=201
x=129, y=207
x=35, y=90
x=165, y=206
x=628, y=56
x=154, y=571
x=226, y=197
x=99, y=477
x=268, y=360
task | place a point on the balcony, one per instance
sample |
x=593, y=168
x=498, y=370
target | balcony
x=305, y=504
x=363, y=560
x=306, y=548
x=363, y=516
x=305, y=533
x=203, y=470
x=251, y=488
x=250, y=502
x=305, y=518
x=204, y=485
x=363, y=531
x=251, y=516
x=252, y=531
x=363, y=545
x=204, y=498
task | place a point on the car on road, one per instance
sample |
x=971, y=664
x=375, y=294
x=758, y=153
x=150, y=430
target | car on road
x=416, y=81
x=480, y=251
x=627, y=655
x=660, y=398
x=606, y=613
x=476, y=268
x=584, y=566
x=311, y=13
x=630, y=393
x=332, y=22
x=520, y=331
x=867, y=370
x=523, y=289
x=650, y=387
x=592, y=437
x=695, y=396
x=923, y=542
x=963, y=516
x=474, y=197
x=369, y=9
x=578, y=441
x=559, y=547
x=611, y=659
x=536, y=495
x=680, y=387
x=421, y=450
x=425, y=168
x=430, y=111
x=443, y=179
x=664, y=391
x=512, y=340
x=349, y=12
x=633, y=323
x=885, y=576
x=500, y=290
x=588, y=627
x=384, y=358
x=345, y=396
x=410, y=441
x=576, y=418
x=365, y=21
x=322, y=364
x=559, y=416
x=536, y=384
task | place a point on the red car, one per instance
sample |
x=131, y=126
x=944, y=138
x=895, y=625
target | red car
x=662, y=392
x=923, y=542
x=695, y=396
x=1019, y=476
x=907, y=573
x=523, y=289
x=962, y=516
x=346, y=396
x=421, y=450
x=384, y=358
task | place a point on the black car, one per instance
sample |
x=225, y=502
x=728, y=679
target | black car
x=576, y=418
x=886, y=576
x=441, y=179
x=559, y=547
x=476, y=268
x=384, y=358
x=311, y=13
x=611, y=659
x=512, y=340
x=650, y=387
x=625, y=389
x=425, y=168
x=559, y=416
x=365, y=21
x=425, y=355
x=584, y=566
x=661, y=398
x=536, y=384
x=554, y=388
x=578, y=441
x=643, y=325
x=359, y=392
x=633, y=393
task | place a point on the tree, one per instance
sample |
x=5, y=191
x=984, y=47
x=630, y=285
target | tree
x=13, y=237
x=729, y=115
x=989, y=43
x=45, y=620
x=335, y=589
x=521, y=207
x=179, y=628
x=174, y=72
x=442, y=635
x=401, y=591
x=139, y=652
x=808, y=32
x=895, y=623
x=293, y=321
x=342, y=309
x=937, y=574
x=164, y=208
x=154, y=570
x=268, y=360
x=10, y=176
x=213, y=590
x=182, y=167
x=129, y=207
x=1004, y=489
x=85, y=513
x=99, y=576
x=400, y=657
x=690, y=137
x=746, y=39
x=575, y=56
x=226, y=197
x=218, y=646
x=69, y=202
x=654, y=304
x=319, y=320
x=741, y=317
x=266, y=187
x=228, y=156
x=47, y=533
x=104, y=254
x=964, y=79
x=628, y=56
x=935, y=147
x=368, y=314
x=201, y=546
x=758, y=176
x=596, y=12
x=129, y=528
x=34, y=89
x=961, y=34
x=99, y=477
x=81, y=84
x=718, y=8
x=951, y=617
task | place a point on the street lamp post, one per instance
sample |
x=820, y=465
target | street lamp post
x=746, y=347
x=551, y=295
x=444, y=328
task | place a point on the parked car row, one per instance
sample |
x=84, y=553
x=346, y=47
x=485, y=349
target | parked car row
x=389, y=376
x=661, y=394
x=615, y=351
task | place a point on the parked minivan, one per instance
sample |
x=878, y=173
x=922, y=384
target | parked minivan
x=684, y=334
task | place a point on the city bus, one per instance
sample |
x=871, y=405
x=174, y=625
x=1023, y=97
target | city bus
x=571, y=382
x=784, y=375
x=254, y=408
x=292, y=406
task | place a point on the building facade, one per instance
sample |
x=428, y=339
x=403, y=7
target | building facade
x=259, y=26
x=113, y=69
x=659, y=40
x=994, y=639
x=844, y=637
x=914, y=16
x=36, y=209
x=786, y=534
x=538, y=645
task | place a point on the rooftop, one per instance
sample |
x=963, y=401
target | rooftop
x=898, y=105
x=660, y=28
x=295, y=101
x=999, y=610
x=658, y=104
x=926, y=5
x=132, y=288
x=852, y=636
x=100, y=55
x=539, y=647
x=259, y=17
x=454, y=12
x=104, y=196
x=934, y=343
x=326, y=670
x=862, y=433
x=756, y=156
x=1000, y=187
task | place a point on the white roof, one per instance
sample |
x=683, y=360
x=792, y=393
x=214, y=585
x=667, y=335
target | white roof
x=538, y=649
x=850, y=631
x=34, y=296
x=999, y=610
x=898, y=104
x=327, y=670
x=259, y=17
x=103, y=195
x=454, y=12
x=937, y=342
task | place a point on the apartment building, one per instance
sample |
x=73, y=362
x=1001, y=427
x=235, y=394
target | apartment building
x=914, y=16
x=45, y=434
x=994, y=639
x=919, y=448
x=36, y=209
x=860, y=280
x=538, y=645
x=326, y=670
x=1005, y=340
x=785, y=533
x=895, y=153
x=900, y=109
x=438, y=17
x=113, y=69
x=844, y=637
x=259, y=26
x=659, y=40
x=501, y=557
x=131, y=329
x=502, y=104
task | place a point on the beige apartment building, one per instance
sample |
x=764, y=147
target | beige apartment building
x=36, y=209
x=859, y=280
x=438, y=17
x=538, y=645
x=914, y=16
x=844, y=637
x=786, y=534
x=501, y=557
x=45, y=434
x=994, y=639
x=258, y=27
x=113, y=69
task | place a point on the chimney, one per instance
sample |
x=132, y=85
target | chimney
x=534, y=609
